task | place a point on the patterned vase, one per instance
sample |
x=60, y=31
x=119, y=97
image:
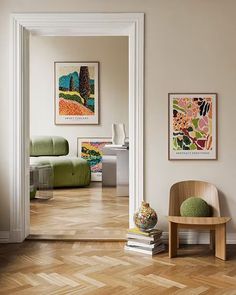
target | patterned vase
x=145, y=218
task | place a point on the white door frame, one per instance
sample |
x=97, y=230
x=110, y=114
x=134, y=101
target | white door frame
x=69, y=24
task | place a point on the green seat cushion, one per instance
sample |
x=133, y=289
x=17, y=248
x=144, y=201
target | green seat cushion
x=48, y=146
x=195, y=207
x=67, y=171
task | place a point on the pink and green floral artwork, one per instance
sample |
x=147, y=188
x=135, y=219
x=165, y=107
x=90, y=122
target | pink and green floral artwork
x=192, y=126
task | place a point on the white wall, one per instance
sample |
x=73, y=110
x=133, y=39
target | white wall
x=112, y=55
x=190, y=45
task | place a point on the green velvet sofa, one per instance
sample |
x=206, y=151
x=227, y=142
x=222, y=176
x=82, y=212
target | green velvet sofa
x=53, y=150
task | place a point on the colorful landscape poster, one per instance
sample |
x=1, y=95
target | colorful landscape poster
x=192, y=126
x=90, y=149
x=76, y=93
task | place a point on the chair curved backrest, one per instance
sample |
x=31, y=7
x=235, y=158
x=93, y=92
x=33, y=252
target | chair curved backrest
x=181, y=191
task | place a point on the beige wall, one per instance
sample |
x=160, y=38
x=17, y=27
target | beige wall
x=112, y=55
x=190, y=46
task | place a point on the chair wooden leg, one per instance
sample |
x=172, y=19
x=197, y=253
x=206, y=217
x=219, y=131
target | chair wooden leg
x=212, y=239
x=220, y=240
x=173, y=233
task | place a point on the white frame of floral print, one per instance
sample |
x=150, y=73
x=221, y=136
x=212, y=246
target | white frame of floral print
x=68, y=24
x=76, y=119
x=188, y=154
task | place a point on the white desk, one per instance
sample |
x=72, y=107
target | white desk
x=122, y=169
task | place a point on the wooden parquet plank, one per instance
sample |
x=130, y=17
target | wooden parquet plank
x=192, y=291
x=91, y=281
x=159, y=281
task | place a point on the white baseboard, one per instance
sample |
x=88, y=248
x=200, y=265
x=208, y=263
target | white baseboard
x=185, y=237
x=4, y=236
x=231, y=238
x=11, y=236
x=16, y=236
x=198, y=238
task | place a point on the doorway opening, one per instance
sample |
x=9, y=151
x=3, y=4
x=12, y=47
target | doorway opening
x=65, y=203
x=69, y=24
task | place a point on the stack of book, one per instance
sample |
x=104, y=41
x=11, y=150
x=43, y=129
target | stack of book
x=148, y=242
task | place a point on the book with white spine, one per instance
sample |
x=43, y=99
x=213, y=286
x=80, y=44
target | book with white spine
x=142, y=237
x=143, y=245
x=154, y=251
x=144, y=242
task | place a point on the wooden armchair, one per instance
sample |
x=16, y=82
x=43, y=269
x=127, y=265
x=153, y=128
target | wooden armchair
x=216, y=224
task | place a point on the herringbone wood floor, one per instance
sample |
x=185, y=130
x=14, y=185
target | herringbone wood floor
x=57, y=268
x=82, y=213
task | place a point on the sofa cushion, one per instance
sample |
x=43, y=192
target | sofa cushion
x=48, y=146
x=68, y=171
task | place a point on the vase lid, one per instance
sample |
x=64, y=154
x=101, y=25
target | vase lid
x=144, y=204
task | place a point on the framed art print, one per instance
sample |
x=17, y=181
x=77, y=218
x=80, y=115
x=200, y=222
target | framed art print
x=192, y=126
x=90, y=149
x=76, y=92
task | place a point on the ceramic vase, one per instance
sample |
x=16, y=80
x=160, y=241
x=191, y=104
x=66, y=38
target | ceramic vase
x=145, y=218
x=118, y=134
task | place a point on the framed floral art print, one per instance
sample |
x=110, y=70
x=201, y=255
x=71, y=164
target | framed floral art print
x=192, y=126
